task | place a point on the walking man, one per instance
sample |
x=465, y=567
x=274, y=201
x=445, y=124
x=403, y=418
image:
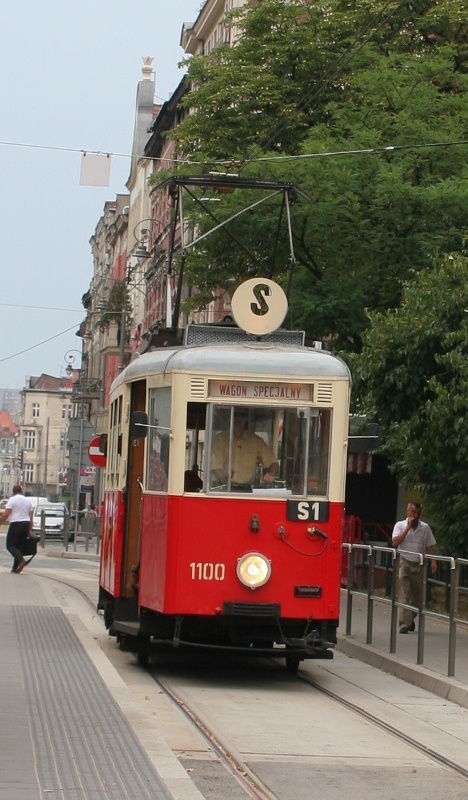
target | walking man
x=413, y=537
x=19, y=513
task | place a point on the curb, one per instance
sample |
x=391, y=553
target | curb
x=448, y=688
x=71, y=554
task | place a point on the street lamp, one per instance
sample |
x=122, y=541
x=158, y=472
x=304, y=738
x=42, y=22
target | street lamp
x=70, y=359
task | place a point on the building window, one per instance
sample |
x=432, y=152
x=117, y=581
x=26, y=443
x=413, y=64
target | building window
x=29, y=440
x=35, y=410
x=28, y=473
x=66, y=411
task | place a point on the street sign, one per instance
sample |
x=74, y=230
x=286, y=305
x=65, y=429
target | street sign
x=95, y=455
x=259, y=306
x=80, y=432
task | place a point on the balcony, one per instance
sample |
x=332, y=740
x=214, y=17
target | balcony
x=84, y=391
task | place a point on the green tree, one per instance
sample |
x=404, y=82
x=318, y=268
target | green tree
x=305, y=80
x=412, y=375
x=117, y=304
x=294, y=59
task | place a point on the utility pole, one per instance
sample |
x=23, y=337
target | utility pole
x=46, y=456
x=78, y=481
x=122, y=340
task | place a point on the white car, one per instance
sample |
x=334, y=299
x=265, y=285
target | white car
x=54, y=518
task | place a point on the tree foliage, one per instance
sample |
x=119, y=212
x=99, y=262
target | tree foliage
x=293, y=59
x=412, y=375
x=364, y=108
x=117, y=302
x=304, y=81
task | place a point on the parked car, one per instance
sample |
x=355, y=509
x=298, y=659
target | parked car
x=54, y=516
x=37, y=501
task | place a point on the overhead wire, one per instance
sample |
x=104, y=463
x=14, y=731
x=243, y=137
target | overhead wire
x=258, y=159
x=83, y=151
x=364, y=151
x=39, y=344
x=43, y=308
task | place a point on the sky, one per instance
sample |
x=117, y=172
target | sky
x=68, y=83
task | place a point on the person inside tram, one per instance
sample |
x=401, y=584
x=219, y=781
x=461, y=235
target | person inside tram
x=192, y=480
x=247, y=451
x=157, y=467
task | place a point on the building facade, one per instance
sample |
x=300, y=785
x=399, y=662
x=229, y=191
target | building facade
x=10, y=400
x=46, y=411
x=10, y=457
x=134, y=241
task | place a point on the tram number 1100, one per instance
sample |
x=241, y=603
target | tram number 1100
x=205, y=571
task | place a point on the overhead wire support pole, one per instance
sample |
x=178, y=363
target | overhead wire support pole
x=291, y=248
x=223, y=225
x=275, y=249
x=122, y=339
x=230, y=219
x=176, y=312
x=172, y=230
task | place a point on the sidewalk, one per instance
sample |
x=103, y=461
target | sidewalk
x=431, y=676
x=70, y=726
x=72, y=729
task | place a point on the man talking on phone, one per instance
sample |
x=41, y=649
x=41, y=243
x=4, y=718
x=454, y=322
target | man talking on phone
x=413, y=537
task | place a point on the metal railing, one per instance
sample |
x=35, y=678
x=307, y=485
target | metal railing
x=86, y=537
x=451, y=617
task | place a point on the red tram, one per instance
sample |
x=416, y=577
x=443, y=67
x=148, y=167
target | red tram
x=200, y=553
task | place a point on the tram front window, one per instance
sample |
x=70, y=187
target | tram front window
x=240, y=457
x=257, y=449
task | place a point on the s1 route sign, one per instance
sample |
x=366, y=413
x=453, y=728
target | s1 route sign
x=95, y=455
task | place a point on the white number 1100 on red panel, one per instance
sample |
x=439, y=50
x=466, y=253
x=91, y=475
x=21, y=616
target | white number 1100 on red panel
x=205, y=571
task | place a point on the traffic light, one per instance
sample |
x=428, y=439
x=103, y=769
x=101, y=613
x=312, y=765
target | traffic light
x=20, y=458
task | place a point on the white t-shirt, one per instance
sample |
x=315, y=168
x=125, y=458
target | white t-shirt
x=21, y=508
x=417, y=540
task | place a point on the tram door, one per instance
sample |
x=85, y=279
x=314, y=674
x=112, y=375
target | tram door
x=133, y=497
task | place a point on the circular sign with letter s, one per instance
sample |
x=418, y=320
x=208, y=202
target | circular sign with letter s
x=259, y=306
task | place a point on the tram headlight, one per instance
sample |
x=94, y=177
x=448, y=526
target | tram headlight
x=253, y=570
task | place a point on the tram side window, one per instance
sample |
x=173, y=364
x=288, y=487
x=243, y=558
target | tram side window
x=195, y=447
x=319, y=447
x=158, y=441
x=114, y=448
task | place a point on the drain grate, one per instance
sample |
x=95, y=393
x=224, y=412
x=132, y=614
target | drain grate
x=84, y=747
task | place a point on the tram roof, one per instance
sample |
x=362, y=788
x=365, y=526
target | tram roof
x=252, y=358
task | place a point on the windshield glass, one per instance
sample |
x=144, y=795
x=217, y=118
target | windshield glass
x=269, y=449
x=49, y=512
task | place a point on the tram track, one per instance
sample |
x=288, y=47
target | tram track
x=250, y=783
x=237, y=768
x=234, y=766
x=218, y=743
x=385, y=726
